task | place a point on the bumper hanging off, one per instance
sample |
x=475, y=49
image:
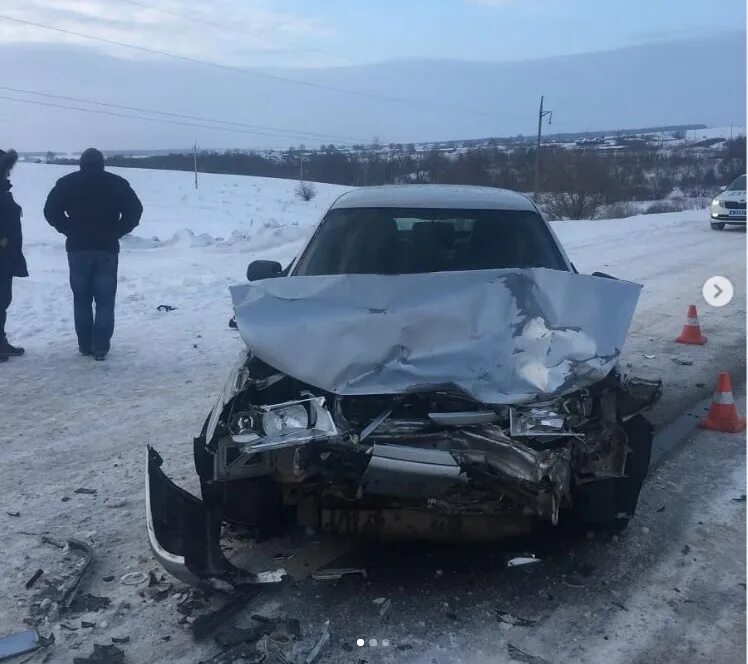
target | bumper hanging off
x=184, y=535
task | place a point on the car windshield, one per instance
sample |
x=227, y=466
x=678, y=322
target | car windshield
x=738, y=185
x=406, y=241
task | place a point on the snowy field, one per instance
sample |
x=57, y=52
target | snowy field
x=68, y=422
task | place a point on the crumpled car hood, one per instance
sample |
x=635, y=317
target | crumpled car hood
x=497, y=336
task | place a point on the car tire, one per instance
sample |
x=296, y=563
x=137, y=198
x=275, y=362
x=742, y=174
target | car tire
x=717, y=225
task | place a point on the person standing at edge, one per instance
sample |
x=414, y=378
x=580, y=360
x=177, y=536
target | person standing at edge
x=12, y=262
x=93, y=209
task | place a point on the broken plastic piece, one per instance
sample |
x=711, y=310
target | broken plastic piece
x=332, y=574
x=323, y=639
x=520, y=560
x=510, y=619
x=17, y=644
x=133, y=578
x=517, y=655
x=108, y=654
x=35, y=576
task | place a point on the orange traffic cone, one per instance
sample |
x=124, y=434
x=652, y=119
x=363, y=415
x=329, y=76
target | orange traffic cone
x=691, y=331
x=723, y=416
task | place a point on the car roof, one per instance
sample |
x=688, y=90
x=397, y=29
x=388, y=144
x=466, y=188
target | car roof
x=439, y=196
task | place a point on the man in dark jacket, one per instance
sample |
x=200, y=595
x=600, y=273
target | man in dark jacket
x=12, y=262
x=93, y=209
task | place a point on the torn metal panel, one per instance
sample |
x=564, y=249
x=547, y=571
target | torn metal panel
x=542, y=477
x=497, y=336
x=410, y=472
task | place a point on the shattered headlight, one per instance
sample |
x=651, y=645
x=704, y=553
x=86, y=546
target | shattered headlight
x=282, y=425
x=538, y=421
x=284, y=420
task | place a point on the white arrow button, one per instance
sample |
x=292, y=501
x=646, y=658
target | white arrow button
x=717, y=291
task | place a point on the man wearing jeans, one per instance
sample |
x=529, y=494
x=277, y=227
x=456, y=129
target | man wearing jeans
x=93, y=209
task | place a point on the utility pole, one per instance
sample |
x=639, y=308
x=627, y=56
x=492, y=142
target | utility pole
x=194, y=154
x=541, y=115
x=301, y=167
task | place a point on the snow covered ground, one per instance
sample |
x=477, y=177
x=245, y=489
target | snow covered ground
x=69, y=422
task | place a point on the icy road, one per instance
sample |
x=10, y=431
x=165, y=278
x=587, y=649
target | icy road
x=671, y=588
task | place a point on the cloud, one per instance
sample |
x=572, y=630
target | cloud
x=238, y=32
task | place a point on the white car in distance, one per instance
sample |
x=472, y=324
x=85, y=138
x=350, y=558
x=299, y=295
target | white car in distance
x=729, y=205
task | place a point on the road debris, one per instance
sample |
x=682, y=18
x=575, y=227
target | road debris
x=133, y=578
x=120, y=639
x=316, y=649
x=208, y=623
x=522, y=560
x=60, y=592
x=685, y=550
x=13, y=513
x=332, y=574
x=510, y=619
x=19, y=643
x=284, y=556
x=661, y=509
x=573, y=581
x=648, y=357
x=517, y=655
x=685, y=363
x=85, y=490
x=165, y=307
x=103, y=654
x=34, y=578
x=741, y=499
x=52, y=542
x=619, y=605
x=385, y=607
x=89, y=602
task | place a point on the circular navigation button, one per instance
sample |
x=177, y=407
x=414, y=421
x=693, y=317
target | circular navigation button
x=718, y=291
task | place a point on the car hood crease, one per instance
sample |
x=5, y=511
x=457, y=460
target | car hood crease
x=496, y=336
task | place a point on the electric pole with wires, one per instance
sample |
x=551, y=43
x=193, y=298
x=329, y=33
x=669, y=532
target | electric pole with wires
x=194, y=155
x=541, y=115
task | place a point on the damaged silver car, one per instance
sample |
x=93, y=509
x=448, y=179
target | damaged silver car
x=431, y=365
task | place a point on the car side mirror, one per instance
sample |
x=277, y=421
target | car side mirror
x=723, y=187
x=603, y=275
x=258, y=270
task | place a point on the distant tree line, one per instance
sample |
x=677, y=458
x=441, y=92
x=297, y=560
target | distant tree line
x=578, y=180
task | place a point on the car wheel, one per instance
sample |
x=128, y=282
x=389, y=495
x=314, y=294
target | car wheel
x=717, y=225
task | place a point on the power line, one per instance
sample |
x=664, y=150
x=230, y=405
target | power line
x=232, y=28
x=241, y=70
x=140, y=117
x=292, y=133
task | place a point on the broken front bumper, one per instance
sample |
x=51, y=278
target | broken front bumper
x=184, y=535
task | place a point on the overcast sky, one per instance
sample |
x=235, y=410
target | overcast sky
x=328, y=41
x=340, y=32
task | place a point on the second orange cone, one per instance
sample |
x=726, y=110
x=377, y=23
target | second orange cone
x=691, y=331
x=723, y=416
